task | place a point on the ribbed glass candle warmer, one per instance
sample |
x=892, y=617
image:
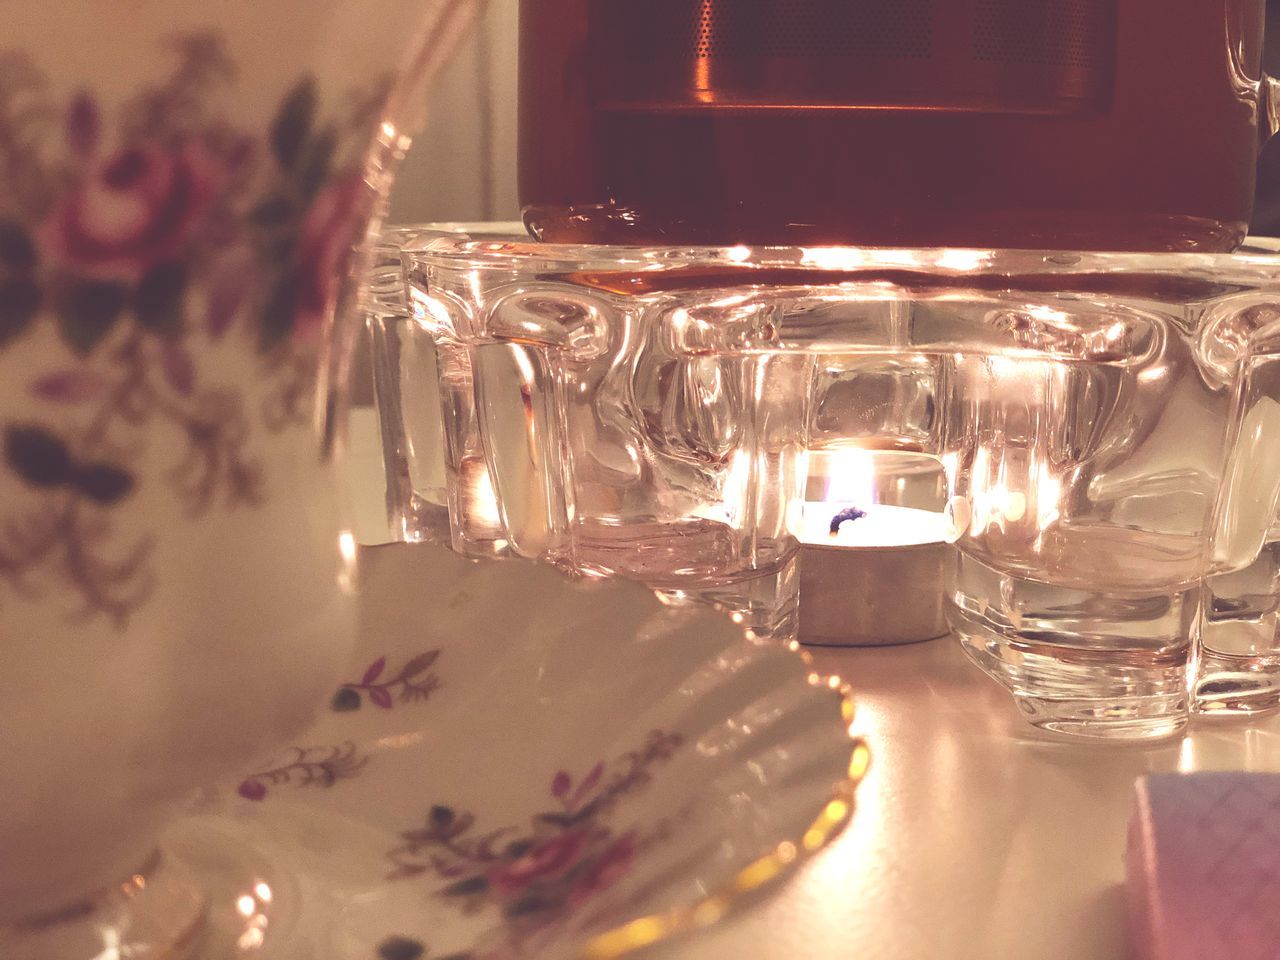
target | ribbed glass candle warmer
x=1107, y=427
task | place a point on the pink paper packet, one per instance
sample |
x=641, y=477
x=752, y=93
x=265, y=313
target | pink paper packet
x=1203, y=867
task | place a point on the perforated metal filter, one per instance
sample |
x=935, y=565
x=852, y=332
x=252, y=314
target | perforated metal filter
x=801, y=28
x=1071, y=32
x=1037, y=55
x=1074, y=33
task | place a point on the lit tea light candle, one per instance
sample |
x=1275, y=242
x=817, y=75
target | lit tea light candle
x=870, y=573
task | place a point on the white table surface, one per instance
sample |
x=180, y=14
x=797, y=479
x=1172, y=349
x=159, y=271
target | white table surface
x=975, y=836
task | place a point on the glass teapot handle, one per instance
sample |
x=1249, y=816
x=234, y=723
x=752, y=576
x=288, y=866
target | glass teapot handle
x=1268, y=109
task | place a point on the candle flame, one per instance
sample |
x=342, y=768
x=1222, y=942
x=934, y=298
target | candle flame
x=486, y=500
x=481, y=498
x=851, y=476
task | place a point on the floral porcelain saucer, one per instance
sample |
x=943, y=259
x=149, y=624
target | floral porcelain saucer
x=523, y=765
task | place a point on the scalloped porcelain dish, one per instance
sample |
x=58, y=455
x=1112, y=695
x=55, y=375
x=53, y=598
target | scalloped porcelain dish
x=520, y=764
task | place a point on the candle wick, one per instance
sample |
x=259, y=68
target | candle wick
x=848, y=513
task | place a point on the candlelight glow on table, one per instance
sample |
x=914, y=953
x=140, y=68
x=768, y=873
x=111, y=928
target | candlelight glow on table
x=871, y=573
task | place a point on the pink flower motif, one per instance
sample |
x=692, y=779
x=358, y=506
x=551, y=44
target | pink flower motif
x=326, y=242
x=605, y=872
x=138, y=207
x=230, y=289
x=548, y=859
x=68, y=386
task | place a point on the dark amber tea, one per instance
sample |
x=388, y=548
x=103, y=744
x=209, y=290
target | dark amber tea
x=1093, y=124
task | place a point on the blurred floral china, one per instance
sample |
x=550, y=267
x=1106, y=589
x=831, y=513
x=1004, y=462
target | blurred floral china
x=544, y=786
x=182, y=194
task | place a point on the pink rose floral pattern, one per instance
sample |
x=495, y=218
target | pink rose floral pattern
x=131, y=212
x=146, y=236
x=541, y=873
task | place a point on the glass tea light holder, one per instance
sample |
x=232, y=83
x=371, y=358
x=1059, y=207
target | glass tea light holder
x=1100, y=431
x=438, y=483
x=406, y=386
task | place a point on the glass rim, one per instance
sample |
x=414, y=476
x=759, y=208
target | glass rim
x=505, y=245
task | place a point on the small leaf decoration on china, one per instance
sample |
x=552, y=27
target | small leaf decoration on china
x=316, y=165
x=292, y=124
x=226, y=299
x=561, y=820
x=19, y=304
x=531, y=903
x=277, y=317
x=346, y=700
x=84, y=125
x=418, y=664
x=20, y=295
x=67, y=386
x=157, y=303
x=470, y=885
x=179, y=368
x=39, y=457
x=17, y=251
x=321, y=766
x=406, y=948
x=589, y=782
x=43, y=461
x=412, y=682
x=401, y=948
x=517, y=849
x=103, y=483
x=274, y=211
x=88, y=312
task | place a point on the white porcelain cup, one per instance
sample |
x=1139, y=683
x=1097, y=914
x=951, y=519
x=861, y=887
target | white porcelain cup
x=182, y=187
